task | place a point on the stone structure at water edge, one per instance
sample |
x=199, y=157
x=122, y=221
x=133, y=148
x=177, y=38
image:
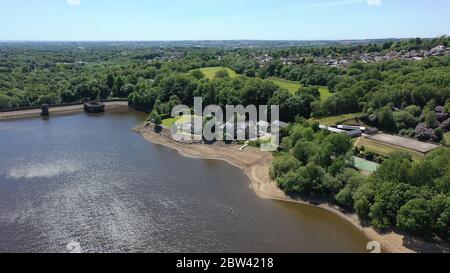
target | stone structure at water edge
x=94, y=107
x=45, y=110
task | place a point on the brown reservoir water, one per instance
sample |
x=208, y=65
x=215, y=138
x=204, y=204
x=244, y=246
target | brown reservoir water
x=90, y=182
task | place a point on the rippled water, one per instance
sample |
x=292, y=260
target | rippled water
x=87, y=183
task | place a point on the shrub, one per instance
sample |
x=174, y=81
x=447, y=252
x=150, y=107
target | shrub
x=404, y=120
x=425, y=134
x=431, y=119
x=415, y=217
x=445, y=125
x=362, y=207
x=222, y=74
x=414, y=110
x=283, y=165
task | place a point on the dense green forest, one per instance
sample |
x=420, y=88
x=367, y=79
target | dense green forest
x=411, y=98
x=412, y=196
x=400, y=96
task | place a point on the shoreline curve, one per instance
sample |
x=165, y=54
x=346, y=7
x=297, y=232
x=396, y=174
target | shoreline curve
x=256, y=166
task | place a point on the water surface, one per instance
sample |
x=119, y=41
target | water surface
x=90, y=182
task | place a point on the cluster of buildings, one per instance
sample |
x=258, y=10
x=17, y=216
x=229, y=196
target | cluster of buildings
x=165, y=58
x=263, y=59
x=412, y=55
x=266, y=59
x=351, y=131
x=262, y=128
x=356, y=56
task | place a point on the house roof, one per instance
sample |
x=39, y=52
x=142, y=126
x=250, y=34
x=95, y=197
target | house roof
x=354, y=133
x=280, y=124
x=263, y=123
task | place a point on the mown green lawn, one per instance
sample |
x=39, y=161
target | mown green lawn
x=210, y=72
x=181, y=120
x=385, y=149
x=293, y=86
x=169, y=122
x=324, y=93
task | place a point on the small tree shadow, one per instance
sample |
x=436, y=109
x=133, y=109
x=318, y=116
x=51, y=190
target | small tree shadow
x=158, y=129
x=434, y=245
x=209, y=142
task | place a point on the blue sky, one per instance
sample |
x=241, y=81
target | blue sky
x=221, y=19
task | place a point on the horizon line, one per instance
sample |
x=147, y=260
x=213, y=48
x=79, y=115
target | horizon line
x=232, y=40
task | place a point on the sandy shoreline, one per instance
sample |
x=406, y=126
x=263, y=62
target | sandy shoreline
x=256, y=165
x=58, y=110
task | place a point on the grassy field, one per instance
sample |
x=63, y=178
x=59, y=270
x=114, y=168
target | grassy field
x=182, y=120
x=447, y=138
x=210, y=72
x=329, y=121
x=324, y=93
x=293, y=86
x=169, y=122
x=385, y=149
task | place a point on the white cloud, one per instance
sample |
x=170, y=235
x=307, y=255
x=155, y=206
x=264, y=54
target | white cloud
x=73, y=2
x=373, y=2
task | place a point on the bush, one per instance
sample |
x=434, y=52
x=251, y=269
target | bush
x=288, y=182
x=303, y=150
x=440, y=205
x=46, y=99
x=362, y=207
x=414, y=110
x=447, y=106
x=311, y=180
x=8, y=102
x=404, y=120
x=345, y=196
x=415, y=217
x=155, y=118
x=222, y=74
x=407, y=132
x=386, y=119
x=198, y=74
x=431, y=119
x=283, y=165
x=389, y=198
x=424, y=133
x=445, y=125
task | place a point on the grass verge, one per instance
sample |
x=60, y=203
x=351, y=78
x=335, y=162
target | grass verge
x=333, y=120
x=385, y=149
